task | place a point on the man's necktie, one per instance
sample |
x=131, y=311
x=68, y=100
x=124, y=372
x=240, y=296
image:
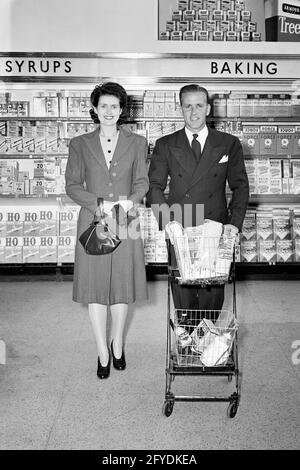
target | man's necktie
x=196, y=147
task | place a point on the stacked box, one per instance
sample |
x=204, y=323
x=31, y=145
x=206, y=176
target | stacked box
x=275, y=168
x=246, y=106
x=263, y=176
x=249, y=227
x=285, y=140
x=3, y=217
x=233, y=105
x=40, y=138
x=2, y=249
x=295, y=106
x=149, y=104
x=296, y=224
x=281, y=224
x=31, y=249
x=284, y=251
x=65, y=249
x=68, y=221
x=251, y=140
x=51, y=138
x=268, y=140
x=161, y=252
x=297, y=249
x=282, y=20
x=149, y=251
x=249, y=253
x=170, y=107
x=267, y=251
x=13, y=252
x=48, y=221
x=28, y=135
x=155, y=132
x=264, y=225
x=296, y=146
x=48, y=249
x=215, y=20
x=159, y=104
x=294, y=181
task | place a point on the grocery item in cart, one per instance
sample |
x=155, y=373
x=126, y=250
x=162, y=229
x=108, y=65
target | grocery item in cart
x=204, y=251
x=183, y=337
x=202, y=335
x=217, y=352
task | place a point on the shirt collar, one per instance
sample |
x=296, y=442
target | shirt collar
x=202, y=135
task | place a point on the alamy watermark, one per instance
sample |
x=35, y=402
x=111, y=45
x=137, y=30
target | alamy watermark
x=2, y=352
x=296, y=354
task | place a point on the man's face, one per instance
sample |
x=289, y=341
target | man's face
x=195, y=109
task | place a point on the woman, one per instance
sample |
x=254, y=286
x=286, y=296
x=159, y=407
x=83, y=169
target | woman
x=110, y=163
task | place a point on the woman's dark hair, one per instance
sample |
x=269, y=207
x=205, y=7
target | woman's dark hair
x=113, y=89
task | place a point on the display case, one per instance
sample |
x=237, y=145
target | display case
x=44, y=102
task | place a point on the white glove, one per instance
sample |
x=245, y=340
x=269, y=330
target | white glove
x=230, y=230
x=126, y=204
x=173, y=229
x=107, y=207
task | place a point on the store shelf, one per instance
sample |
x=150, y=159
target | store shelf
x=275, y=199
x=46, y=118
x=32, y=156
x=179, y=64
x=248, y=271
x=255, y=120
x=277, y=157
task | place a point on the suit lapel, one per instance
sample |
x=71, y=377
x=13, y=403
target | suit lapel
x=124, y=141
x=183, y=153
x=210, y=155
x=93, y=142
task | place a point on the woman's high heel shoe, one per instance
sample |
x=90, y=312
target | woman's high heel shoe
x=103, y=372
x=119, y=364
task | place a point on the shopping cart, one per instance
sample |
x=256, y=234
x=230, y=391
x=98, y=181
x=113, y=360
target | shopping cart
x=202, y=342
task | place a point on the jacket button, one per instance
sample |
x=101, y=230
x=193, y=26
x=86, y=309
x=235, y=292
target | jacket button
x=210, y=196
x=109, y=184
x=114, y=174
x=110, y=195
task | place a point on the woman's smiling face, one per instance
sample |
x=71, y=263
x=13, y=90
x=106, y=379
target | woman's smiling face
x=108, y=110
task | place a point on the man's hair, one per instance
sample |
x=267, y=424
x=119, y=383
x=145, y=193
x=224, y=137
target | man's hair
x=192, y=89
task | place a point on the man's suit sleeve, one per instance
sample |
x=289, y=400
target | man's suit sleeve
x=140, y=184
x=238, y=183
x=158, y=177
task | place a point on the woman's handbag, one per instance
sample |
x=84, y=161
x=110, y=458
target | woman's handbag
x=98, y=239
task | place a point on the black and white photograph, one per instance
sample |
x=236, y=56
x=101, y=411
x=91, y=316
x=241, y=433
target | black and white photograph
x=149, y=228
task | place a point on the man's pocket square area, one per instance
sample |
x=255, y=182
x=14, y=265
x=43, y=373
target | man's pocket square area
x=224, y=159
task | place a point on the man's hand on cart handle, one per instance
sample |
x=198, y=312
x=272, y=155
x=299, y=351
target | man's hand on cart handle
x=230, y=230
x=173, y=229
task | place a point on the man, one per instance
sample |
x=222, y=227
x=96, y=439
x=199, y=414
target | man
x=198, y=160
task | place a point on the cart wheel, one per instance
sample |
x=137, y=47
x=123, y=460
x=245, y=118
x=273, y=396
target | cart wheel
x=232, y=409
x=168, y=408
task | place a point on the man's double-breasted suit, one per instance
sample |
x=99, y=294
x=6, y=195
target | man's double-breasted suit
x=202, y=183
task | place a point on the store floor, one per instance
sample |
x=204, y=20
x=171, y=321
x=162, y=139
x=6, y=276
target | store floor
x=51, y=397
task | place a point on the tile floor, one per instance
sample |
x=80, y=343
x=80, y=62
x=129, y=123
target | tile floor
x=51, y=398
